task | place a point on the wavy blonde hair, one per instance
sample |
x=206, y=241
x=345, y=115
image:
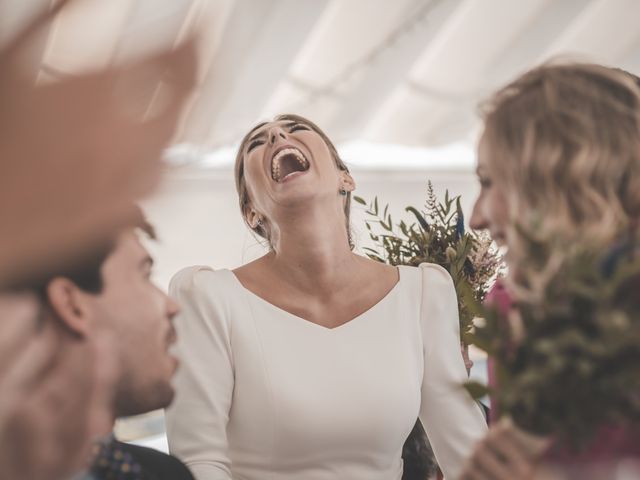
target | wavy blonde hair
x=563, y=143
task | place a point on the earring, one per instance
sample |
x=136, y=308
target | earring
x=259, y=224
x=343, y=192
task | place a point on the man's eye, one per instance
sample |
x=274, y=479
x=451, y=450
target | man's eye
x=298, y=126
x=254, y=144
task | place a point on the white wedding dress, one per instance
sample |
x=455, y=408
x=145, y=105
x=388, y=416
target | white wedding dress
x=263, y=394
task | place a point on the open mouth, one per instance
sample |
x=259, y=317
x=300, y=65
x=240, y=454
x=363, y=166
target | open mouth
x=288, y=162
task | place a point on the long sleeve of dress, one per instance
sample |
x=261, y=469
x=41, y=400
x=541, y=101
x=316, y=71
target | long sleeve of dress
x=452, y=420
x=197, y=419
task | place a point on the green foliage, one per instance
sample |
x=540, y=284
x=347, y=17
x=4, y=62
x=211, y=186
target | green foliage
x=437, y=235
x=568, y=359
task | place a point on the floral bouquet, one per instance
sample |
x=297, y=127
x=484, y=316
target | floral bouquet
x=567, y=356
x=437, y=235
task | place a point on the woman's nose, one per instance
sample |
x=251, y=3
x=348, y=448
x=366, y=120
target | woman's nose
x=477, y=221
x=275, y=133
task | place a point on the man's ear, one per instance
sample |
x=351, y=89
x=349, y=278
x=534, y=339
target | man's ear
x=346, y=181
x=70, y=304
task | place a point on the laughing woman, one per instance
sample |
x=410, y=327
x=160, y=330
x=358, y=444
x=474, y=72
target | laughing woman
x=313, y=362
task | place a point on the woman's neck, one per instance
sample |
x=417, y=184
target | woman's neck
x=311, y=250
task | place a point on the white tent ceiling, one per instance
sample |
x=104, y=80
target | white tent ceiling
x=407, y=72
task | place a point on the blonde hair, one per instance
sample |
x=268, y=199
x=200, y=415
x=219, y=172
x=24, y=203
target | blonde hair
x=244, y=198
x=563, y=141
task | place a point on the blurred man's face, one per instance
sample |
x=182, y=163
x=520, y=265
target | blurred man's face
x=139, y=317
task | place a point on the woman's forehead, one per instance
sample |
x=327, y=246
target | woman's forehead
x=482, y=151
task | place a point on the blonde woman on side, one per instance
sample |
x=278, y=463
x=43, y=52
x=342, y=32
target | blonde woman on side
x=559, y=159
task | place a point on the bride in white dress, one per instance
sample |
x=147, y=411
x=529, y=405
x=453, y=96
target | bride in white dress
x=313, y=362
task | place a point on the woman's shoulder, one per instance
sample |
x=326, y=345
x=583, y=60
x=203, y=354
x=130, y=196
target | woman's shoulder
x=432, y=283
x=210, y=295
x=436, y=276
x=429, y=275
x=200, y=279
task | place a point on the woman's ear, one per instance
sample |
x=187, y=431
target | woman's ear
x=253, y=218
x=70, y=305
x=347, y=182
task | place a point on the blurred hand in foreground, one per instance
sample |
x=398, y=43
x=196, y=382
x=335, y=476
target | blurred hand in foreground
x=506, y=453
x=76, y=152
x=56, y=394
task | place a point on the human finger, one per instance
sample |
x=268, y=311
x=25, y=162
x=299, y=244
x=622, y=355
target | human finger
x=15, y=47
x=18, y=313
x=483, y=463
x=30, y=367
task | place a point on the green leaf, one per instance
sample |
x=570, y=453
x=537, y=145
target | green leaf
x=468, y=297
x=375, y=257
x=384, y=225
x=371, y=251
x=478, y=340
x=476, y=390
x=360, y=200
x=421, y=220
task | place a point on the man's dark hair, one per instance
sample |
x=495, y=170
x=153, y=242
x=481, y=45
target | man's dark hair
x=86, y=272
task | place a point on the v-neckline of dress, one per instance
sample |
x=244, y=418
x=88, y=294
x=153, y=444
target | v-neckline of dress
x=378, y=304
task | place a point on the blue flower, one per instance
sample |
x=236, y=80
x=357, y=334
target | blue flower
x=459, y=225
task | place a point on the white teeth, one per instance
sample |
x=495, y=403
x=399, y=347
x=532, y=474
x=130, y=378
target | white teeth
x=275, y=162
